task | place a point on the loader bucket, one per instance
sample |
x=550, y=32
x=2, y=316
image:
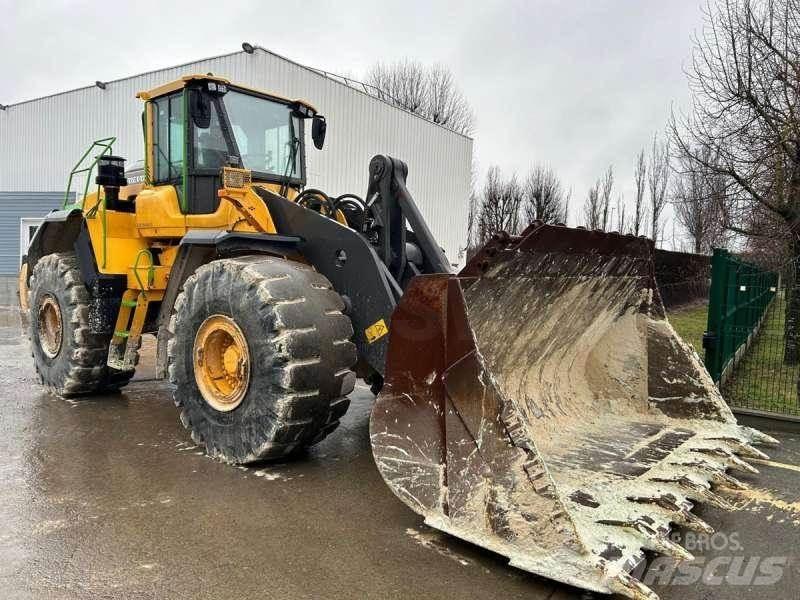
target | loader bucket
x=540, y=405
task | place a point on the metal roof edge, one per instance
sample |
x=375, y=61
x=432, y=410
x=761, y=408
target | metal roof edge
x=126, y=78
x=318, y=72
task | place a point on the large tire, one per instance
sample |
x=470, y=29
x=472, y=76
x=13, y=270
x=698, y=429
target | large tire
x=72, y=363
x=300, y=357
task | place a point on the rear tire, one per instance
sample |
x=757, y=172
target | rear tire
x=70, y=360
x=286, y=323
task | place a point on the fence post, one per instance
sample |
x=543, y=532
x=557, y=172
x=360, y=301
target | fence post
x=791, y=353
x=712, y=338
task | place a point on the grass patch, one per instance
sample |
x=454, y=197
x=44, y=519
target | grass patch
x=690, y=323
x=761, y=381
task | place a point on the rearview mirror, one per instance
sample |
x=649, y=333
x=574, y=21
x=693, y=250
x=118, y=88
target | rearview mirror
x=200, y=109
x=318, y=128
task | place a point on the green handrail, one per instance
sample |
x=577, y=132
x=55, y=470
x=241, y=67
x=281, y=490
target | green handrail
x=105, y=145
x=150, y=270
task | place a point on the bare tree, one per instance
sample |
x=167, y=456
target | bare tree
x=745, y=79
x=698, y=197
x=473, y=216
x=773, y=247
x=592, y=210
x=622, y=219
x=473, y=212
x=402, y=81
x=657, y=180
x=545, y=198
x=445, y=103
x=428, y=91
x=639, y=209
x=597, y=204
x=605, y=194
x=500, y=205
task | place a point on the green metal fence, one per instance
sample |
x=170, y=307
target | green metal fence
x=741, y=294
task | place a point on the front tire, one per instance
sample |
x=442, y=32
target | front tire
x=70, y=359
x=261, y=357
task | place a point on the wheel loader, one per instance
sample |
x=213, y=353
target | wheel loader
x=537, y=403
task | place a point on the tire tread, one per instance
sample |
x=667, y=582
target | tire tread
x=306, y=346
x=86, y=352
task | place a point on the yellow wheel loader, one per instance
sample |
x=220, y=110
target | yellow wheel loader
x=537, y=403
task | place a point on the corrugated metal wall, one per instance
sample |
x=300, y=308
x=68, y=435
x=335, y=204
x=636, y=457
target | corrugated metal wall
x=41, y=140
x=13, y=207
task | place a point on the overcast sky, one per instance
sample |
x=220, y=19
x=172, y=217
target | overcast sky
x=575, y=84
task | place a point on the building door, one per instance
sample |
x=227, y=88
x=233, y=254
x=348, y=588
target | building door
x=27, y=229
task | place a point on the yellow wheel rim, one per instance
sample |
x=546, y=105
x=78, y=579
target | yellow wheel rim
x=49, y=323
x=221, y=362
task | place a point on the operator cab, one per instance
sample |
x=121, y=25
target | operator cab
x=199, y=124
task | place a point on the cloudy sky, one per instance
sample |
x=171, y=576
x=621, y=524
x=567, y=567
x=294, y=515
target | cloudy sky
x=577, y=84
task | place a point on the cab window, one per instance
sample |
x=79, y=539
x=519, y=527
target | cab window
x=266, y=132
x=168, y=139
x=211, y=149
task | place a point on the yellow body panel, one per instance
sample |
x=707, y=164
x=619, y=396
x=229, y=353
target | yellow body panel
x=167, y=254
x=158, y=213
x=148, y=279
x=115, y=239
x=118, y=238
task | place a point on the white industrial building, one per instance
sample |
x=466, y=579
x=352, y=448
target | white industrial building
x=41, y=140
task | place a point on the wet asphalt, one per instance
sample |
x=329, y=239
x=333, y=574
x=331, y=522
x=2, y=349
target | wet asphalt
x=109, y=498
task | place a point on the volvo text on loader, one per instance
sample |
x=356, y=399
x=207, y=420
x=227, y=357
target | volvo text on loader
x=538, y=403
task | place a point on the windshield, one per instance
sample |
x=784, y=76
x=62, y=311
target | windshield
x=266, y=133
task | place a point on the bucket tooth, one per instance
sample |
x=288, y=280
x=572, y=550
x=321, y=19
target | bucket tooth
x=750, y=451
x=630, y=587
x=688, y=519
x=741, y=465
x=759, y=437
x=725, y=480
x=714, y=499
x=741, y=447
x=678, y=514
x=650, y=538
x=717, y=474
x=734, y=462
x=697, y=491
x=664, y=545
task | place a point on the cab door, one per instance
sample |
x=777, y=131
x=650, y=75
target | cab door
x=169, y=143
x=211, y=146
